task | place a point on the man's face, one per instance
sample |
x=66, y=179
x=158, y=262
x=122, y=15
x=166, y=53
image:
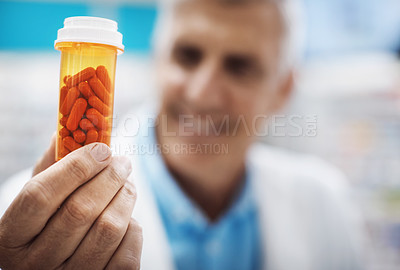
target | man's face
x=219, y=70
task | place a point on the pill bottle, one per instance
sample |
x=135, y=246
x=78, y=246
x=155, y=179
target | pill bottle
x=89, y=47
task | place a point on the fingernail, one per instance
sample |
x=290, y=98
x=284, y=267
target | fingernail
x=100, y=152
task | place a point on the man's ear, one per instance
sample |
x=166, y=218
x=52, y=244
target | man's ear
x=285, y=90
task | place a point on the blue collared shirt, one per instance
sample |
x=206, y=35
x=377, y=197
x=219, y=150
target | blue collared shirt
x=233, y=242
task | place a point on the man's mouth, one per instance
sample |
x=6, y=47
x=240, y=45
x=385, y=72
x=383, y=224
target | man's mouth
x=205, y=123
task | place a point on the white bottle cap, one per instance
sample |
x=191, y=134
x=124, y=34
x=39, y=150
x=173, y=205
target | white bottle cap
x=90, y=29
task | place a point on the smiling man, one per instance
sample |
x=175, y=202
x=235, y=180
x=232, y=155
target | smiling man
x=210, y=196
x=223, y=68
x=220, y=67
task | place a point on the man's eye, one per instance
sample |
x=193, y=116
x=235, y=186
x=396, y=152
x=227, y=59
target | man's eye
x=239, y=66
x=188, y=56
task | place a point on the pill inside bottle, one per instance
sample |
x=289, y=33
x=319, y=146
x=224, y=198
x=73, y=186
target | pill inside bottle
x=89, y=47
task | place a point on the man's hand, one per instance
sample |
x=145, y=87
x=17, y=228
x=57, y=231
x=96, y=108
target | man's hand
x=75, y=214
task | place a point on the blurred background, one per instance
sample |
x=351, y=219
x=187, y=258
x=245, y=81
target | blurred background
x=348, y=82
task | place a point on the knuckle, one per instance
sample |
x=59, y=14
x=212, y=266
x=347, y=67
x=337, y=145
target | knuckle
x=110, y=230
x=77, y=213
x=78, y=168
x=136, y=228
x=116, y=174
x=138, y=232
x=34, y=197
x=130, y=189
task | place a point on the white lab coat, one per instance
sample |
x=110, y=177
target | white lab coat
x=307, y=219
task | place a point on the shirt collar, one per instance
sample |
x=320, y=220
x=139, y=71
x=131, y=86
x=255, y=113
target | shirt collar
x=174, y=205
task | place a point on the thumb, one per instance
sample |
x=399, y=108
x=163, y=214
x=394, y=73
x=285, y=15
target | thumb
x=48, y=158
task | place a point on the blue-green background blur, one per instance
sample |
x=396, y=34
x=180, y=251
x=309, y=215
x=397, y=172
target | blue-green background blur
x=333, y=26
x=33, y=25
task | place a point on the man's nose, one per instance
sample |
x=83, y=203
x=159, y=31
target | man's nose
x=207, y=88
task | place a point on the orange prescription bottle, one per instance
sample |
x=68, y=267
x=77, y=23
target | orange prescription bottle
x=89, y=47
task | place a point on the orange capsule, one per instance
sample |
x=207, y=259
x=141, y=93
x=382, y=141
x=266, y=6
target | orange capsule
x=63, y=93
x=85, y=90
x=63, y=120
x=69, y=100
x=81, y=76
x=99, y=89
x=102, y=74
x=71, y=144
x=76, y=114
x=96, y=103
x=85, y=124
x=79, y=136
x=64, y=132
x=91, y=136
x=96, y=118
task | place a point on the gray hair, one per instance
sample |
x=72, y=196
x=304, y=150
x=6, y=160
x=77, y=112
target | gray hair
x=291, y=14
